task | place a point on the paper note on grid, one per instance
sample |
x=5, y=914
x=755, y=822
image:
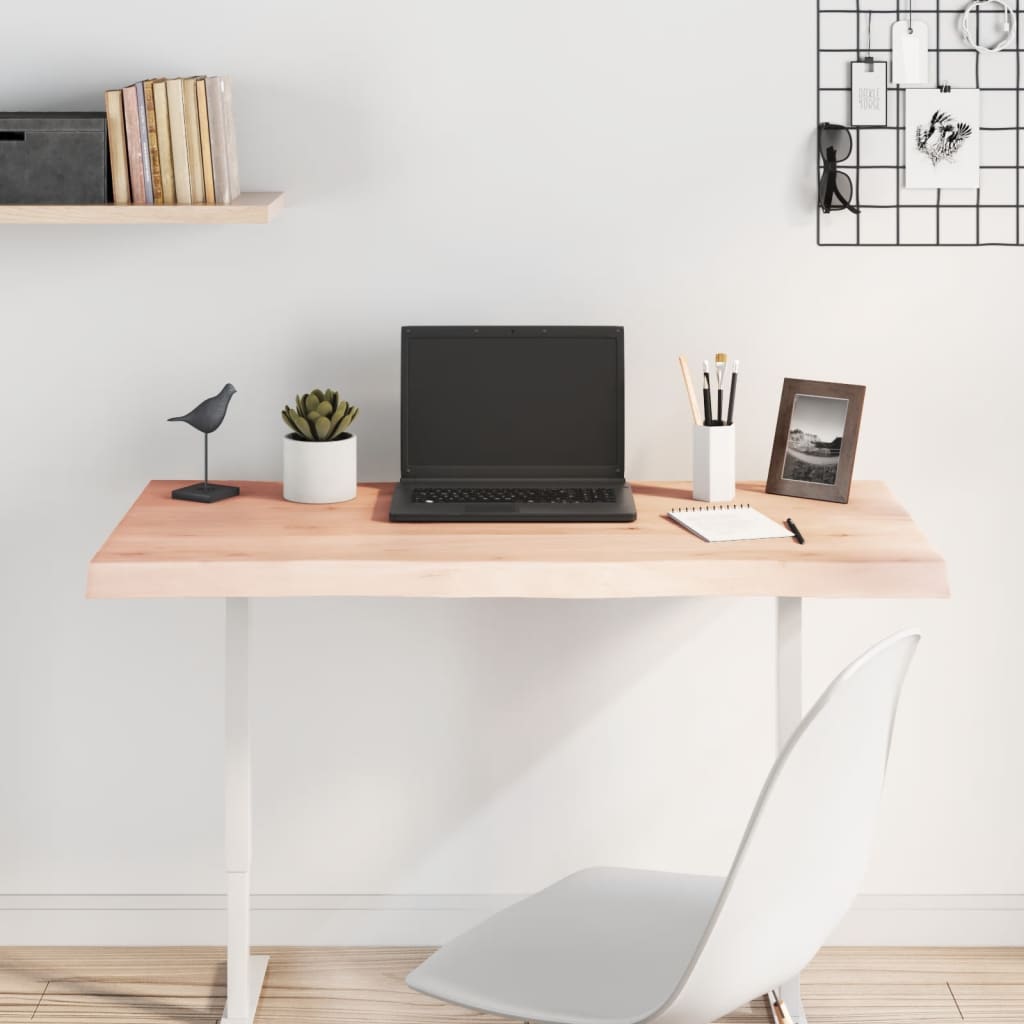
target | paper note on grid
x=728, y=522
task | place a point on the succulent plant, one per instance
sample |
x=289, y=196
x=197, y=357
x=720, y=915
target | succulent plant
x=319, y=416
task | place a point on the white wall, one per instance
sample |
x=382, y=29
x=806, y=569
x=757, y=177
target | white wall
x=561, y=161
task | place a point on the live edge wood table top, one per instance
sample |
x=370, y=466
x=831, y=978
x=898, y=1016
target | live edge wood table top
x=258, y=545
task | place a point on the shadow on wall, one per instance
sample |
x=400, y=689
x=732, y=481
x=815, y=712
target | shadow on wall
x=805, y=185
x=441, y=707
x=366, y=370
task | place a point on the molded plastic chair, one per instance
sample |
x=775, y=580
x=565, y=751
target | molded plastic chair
x=618, y=946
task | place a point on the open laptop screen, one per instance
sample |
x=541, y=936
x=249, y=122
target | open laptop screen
x=512, y=402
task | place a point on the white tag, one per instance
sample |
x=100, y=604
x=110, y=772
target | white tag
x=868, y=93
x=910, y=53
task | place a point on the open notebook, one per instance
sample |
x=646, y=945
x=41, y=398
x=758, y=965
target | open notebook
x=728, y=522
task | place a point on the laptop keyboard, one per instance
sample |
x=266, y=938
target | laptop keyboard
x=545, y=495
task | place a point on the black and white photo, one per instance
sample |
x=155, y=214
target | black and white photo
x=815, y=440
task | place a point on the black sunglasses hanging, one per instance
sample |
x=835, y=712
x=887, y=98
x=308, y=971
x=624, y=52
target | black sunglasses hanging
x=835, y=189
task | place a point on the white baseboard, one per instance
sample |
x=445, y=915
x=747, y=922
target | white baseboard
x=892, y=920
x=424, y=920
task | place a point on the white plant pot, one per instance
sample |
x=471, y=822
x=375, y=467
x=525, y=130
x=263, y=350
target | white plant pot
x=320, y=472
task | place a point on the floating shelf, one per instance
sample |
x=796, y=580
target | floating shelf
x=248, y=208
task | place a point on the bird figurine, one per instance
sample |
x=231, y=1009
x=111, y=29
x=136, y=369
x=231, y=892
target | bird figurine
x=209, y=414
x=206, y=417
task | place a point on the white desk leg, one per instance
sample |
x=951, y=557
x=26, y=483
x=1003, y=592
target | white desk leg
x=244, y=972
x=788, y=668
x=789, y=711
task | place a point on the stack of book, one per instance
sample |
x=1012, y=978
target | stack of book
x=172, y=140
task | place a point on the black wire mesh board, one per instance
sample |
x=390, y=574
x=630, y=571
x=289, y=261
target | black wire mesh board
x=892, y=214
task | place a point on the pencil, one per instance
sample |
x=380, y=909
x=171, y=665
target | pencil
x=690, y=393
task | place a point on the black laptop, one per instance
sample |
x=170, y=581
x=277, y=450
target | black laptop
x=517, y=424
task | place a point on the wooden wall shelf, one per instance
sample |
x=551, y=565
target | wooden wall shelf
x=248, y=208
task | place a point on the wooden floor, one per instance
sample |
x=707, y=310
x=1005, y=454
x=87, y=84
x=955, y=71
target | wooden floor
x=365, y=986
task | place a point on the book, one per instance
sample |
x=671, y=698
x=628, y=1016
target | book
x=179, y=147
x=218, y=138
x=204, y=139
x=133, y=144
x=728, y=522
x=147, y=167
x=193, y=141
x=234, y=186
x=118, y=147
x=163, y=139
x=154, y=146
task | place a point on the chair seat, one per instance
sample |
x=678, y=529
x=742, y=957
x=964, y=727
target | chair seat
x=603, y=946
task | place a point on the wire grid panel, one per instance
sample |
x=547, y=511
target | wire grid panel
x=892, y=214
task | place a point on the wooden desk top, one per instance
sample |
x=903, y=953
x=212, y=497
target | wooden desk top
x=258, y=545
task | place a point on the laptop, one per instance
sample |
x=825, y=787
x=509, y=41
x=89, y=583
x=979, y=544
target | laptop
x=512, y=424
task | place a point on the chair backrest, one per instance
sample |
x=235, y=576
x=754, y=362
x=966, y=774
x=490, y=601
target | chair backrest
x=805, y=851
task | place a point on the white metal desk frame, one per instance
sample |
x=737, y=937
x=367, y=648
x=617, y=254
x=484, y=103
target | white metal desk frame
x=245, y=972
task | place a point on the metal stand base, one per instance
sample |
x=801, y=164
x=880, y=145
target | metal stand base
x=206, y=493
x=257, y=969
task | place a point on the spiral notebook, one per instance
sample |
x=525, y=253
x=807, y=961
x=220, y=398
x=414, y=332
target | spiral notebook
x=728, y=522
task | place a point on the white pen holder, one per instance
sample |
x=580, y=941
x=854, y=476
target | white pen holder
x=714, y=463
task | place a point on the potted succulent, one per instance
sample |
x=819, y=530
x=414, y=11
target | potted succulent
x=319, y=452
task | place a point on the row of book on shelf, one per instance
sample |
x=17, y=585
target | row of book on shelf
x=172, y=140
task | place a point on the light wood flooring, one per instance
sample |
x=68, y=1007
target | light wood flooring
x=89, y=985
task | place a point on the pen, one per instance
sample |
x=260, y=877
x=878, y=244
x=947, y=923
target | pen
x=795, y=530
x=732, y=390
x=688, y=381
x=708, y=418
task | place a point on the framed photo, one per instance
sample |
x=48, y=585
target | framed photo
x=816, y=440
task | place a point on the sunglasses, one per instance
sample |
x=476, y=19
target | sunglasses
x=835, y=190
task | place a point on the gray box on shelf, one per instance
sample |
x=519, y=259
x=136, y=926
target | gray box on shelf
x=54, y=158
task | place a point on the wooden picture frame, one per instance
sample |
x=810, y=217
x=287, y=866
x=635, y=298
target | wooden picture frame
x=816, y=440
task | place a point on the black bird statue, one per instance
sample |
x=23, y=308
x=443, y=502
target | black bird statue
x=206, y=417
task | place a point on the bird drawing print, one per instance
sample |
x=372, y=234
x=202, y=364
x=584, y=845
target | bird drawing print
x=942, y=139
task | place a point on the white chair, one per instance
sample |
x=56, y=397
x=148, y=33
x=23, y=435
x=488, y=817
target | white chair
x=618, y=946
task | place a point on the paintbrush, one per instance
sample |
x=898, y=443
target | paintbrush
x=732, y=391
x=721, y=362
